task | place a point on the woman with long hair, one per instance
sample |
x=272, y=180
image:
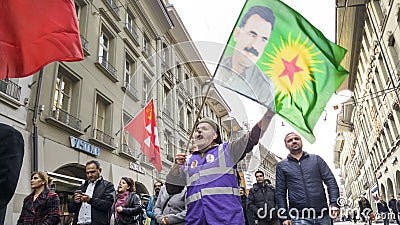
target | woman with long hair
x=127, y=207
x=42, y=206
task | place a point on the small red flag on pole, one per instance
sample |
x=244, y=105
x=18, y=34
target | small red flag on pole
x=144, y=129
x=34, y=33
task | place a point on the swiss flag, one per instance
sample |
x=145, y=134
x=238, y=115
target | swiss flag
x=34, y=33
x=144, y=129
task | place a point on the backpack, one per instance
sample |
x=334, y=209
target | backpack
x=141, y=218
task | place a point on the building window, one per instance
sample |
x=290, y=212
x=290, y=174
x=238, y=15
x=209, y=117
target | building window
x=103, y=119
x=130, y=82
x=81, y=11
x=146, y=46
x=146, y=88
x=113, y=5
x=100, y=115
x=130, y=25
x=130, y=68
x=11, y=88
x=165, y=55
x=64, y=107
x=182, y=111
x=78, y=11
x=62, y=94
x=167, y=101
x=169, y=150
x=106, y=50
x=129, y=146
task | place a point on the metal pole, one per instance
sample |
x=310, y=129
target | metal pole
x=209, y=83
x=34, y=122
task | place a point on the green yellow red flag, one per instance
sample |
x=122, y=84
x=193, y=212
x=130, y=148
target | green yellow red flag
x=276, y=57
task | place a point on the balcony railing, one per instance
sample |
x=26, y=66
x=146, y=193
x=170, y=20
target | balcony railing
x=85, y=44
x=146, y=50
x=114, y=6
x=131, y=90
x=63, y=116
x=129, y=151
x=132, y=32
x=108, y=66
x=103, y=137
x=10, y=88
x=180, y=124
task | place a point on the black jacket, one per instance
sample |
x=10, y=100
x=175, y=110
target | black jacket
x=101, y=202
x=303, y=181
x=392, y=205
x=11, y=155
x=382, y=207
x=261, y=197
x=131, y=211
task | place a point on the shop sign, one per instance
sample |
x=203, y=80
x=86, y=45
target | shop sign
x=136, y=167
x=84, y=146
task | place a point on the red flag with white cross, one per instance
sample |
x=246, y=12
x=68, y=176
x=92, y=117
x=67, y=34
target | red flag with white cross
x=144, y=129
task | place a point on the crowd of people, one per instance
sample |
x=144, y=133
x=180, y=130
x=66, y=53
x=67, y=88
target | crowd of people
x=385, y=211
x=97, y=202
x=201, y=188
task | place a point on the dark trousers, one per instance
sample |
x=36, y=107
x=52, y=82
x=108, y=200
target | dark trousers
x=2, y=215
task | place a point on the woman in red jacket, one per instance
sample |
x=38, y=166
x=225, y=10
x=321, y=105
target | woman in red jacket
x=41, y=206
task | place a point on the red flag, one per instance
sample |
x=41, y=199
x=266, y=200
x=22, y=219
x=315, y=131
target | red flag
x=144, y=129
x=34, y=33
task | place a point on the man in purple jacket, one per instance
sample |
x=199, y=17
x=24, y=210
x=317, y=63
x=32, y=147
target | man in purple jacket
x=209, y=173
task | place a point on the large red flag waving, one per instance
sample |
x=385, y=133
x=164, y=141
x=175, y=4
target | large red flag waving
x=144, y=129
x=34, y=33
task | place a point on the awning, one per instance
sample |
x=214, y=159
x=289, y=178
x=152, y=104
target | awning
x=375, y=188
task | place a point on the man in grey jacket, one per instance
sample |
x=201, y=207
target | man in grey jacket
x=170, y=208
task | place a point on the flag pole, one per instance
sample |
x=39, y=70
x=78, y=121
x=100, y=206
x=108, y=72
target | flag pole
x=209, y=83
x=34, y=121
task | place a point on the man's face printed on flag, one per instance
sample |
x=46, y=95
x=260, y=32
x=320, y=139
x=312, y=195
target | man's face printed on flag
x=251, y=40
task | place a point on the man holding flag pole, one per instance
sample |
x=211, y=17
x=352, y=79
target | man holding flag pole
x=299, y=68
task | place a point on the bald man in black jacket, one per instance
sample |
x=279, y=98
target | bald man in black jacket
x=11, y=155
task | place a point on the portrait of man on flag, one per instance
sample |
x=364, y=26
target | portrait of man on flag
x=238, y=70
x=277, y=58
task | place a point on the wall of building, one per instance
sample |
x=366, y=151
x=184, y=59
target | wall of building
x=370, y=150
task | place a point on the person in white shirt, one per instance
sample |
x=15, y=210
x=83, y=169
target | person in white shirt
x=93, y=200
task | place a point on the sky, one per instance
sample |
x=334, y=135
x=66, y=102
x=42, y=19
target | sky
x=213, y=20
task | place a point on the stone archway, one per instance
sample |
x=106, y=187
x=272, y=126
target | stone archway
x=397, y=182
x=141, y=189
x=74, y=170
x=390, y=188
x=68, y=178
x=382, y=191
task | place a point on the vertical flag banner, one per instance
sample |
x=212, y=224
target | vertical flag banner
x=34, y=33
x=144, y=129
x=277, y=58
